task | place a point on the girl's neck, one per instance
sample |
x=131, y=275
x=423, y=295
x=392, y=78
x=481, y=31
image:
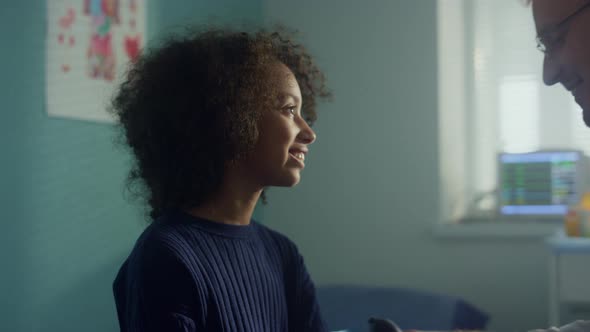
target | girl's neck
x=233, y=203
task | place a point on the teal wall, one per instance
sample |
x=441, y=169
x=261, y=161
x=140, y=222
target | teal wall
x=66, y=224
x=369, y=198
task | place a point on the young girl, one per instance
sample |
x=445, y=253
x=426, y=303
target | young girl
x=212, y=119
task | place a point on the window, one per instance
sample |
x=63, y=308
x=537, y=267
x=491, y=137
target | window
x=492, y=99
x=518, y=98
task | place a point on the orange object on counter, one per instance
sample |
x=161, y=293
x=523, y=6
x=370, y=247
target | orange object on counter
x=585, y=201
x=572, y=224
x=577, y=220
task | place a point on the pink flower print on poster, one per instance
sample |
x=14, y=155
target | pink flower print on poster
x=101, y=57
x=65, y=23
x=89, y=46
x=132, y=40
x=132, y=47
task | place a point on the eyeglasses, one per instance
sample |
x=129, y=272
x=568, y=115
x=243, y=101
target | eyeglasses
x=550, y=40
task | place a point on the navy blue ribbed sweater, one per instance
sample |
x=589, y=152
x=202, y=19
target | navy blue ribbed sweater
x=191, y=274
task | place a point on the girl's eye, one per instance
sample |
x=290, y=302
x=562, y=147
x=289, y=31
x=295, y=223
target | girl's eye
x=291, y=110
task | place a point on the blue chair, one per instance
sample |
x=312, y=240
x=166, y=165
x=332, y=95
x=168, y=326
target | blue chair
x=349, y=308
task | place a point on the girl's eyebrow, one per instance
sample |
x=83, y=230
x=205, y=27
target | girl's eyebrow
x=287, y=94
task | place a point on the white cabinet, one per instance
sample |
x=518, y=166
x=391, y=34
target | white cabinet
x=569, y=274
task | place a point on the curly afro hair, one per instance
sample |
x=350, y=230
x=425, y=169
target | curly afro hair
x=190, y=106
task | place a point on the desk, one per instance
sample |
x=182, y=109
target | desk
x=569, y=274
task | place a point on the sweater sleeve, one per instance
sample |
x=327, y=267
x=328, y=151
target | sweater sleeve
x=161, y=293
x=306, y=310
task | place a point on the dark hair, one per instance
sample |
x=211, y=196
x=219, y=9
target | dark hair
x=190, y=106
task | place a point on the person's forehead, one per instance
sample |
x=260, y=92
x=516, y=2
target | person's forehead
x=285, y=79
x=281, y=71
x=548, y=13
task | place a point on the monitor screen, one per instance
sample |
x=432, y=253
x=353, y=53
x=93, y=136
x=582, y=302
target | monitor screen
x=539, y=183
